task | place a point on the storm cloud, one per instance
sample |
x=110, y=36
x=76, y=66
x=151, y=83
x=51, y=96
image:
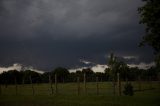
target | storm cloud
x=50, y=33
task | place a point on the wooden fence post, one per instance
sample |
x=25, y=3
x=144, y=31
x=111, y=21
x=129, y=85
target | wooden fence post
x=23, y=81
x=139, y=83
x=6, y=84
x=97, y=85
x=15, y=80
x=159, y=81
x=119, y=84
x=78, y=85
x=114, y=87
x=50, y=81
x=0, y=89
x=84, y=83
x=150, y=81
x=32, y=85
x=56, y=90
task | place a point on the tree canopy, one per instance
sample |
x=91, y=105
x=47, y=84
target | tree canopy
x=151, y=19
x=117, y=66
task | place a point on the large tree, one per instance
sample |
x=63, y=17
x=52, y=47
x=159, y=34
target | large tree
x=117, y=66
x=62, y=73
x=150, y=17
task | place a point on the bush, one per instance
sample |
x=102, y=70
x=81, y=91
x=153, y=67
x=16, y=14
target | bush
x=128, y=89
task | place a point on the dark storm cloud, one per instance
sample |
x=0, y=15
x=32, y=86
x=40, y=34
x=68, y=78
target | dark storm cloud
x=50, y=33
x=61, y=18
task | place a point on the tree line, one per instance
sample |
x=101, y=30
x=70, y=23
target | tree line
x=64, y=76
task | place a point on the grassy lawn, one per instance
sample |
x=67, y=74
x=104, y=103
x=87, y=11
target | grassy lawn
x=67, y=95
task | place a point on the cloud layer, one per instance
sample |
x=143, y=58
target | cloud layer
x=73, y=18
x=51, y=33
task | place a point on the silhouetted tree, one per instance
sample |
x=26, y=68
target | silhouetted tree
x=62, y=73
x=89, y=74
x=36, y=78
x=117, y=66
x=113, y=65
x=45, y=77
x=151, y=19
x=124, y=71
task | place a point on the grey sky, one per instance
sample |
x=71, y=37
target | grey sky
x=50, y=33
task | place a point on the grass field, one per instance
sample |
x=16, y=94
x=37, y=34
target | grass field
x=68, y=96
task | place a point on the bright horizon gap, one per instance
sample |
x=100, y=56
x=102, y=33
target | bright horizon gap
x=95, y=68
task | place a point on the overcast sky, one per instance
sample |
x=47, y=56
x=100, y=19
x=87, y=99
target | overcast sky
x=49, y=33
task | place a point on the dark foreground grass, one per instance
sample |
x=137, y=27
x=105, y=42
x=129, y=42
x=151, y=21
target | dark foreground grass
x=42, y=97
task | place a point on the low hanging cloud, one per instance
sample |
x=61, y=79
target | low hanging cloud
x=19, y=67
x=86, y=62
x=142, y=65
x=130, y=57
x=102, y=67
x=15, y=66
x=95, y=68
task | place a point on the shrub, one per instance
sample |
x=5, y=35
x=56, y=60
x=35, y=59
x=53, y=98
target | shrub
x=128, y=89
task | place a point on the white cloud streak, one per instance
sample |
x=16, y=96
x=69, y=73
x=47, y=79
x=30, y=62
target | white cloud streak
x=19, y=67
x=95, y=68
x=86, y=62
x=130, y=57
x=101, y=68
x=15, y=66
x=142, y=65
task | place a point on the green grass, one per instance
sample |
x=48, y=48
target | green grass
x=67, y=95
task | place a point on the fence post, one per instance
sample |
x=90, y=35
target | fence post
x=84, y=83
x=0, y=89
x=32, y=85
x=159, y=80
x=139, y=83
x=119, y=84
x=23, y=81
x=6, y=84
x=56, y=90
x=50, y=81
x=78, y=85
x=15, y=80
x=97, y=85
x=114, y=87
x=150, y=81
